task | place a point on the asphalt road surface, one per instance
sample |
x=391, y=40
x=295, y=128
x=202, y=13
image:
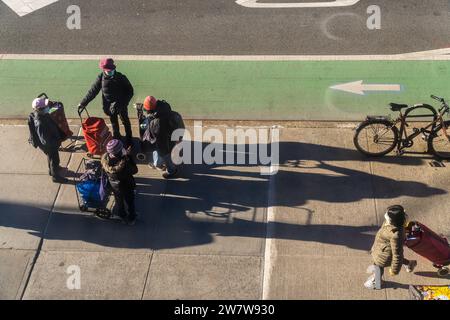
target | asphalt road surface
x=222, y=27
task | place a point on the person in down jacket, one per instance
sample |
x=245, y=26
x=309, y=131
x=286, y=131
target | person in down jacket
x=49, y=137
x=120, y=167
x=117, y=92
x=387, y=250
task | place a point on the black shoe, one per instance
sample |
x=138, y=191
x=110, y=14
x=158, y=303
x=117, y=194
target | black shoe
x=59, y=179
x=116, y=218
x=128, y=222
x=167, y=175
x=131, y=222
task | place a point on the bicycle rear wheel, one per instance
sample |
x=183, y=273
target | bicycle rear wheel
x=439, y=143
x=375, y=137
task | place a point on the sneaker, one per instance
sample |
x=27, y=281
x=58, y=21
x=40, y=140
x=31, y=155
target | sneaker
x=410, y=266
x=370, y=283
x=167, y=175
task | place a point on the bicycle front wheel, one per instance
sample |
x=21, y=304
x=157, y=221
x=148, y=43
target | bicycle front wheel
x=375, y=137
x=439, y=143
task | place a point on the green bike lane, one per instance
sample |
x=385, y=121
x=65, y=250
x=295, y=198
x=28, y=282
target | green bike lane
x=253, y=90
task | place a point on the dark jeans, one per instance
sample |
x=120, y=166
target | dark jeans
x=125, y=204
x=53, y=161
x=114, y=118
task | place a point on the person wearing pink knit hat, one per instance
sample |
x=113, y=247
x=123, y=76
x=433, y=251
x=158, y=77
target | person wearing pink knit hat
x=46, y=135
x=120, y=168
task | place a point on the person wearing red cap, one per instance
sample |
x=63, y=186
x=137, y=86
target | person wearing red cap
x=159, y=126
x=117, y=92
x=150, y=104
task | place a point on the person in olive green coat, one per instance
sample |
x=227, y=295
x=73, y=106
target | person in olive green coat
x=387, y=250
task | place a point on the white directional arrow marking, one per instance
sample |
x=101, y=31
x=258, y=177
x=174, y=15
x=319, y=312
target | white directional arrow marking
x=358, y=87
x=329, y=4
x=24, y=7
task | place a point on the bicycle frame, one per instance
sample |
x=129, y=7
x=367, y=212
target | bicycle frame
x=405, y=140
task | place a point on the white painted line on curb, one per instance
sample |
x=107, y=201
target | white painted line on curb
x=444, y=51
x=270, y=253
x=328, y=4
x=439, y=54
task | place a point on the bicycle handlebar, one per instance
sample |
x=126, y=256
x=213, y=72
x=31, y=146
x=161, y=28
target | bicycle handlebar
x=437, y=98
x=445, y=107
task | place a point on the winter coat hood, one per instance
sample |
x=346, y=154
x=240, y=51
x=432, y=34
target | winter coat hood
x=163, y=109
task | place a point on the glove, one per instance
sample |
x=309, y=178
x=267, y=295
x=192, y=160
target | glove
x=80, y=108
x=391, y=272
x=114, y=108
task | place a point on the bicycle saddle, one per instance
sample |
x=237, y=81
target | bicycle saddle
x=398, y=107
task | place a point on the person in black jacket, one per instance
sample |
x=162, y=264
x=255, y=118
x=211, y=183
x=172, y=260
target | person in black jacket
x=120, y=168
x=117, y=92
x=160, y=132
x=49, y=137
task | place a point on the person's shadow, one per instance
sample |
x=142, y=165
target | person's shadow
x=208, y=201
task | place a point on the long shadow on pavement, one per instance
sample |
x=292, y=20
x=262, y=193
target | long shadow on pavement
x=230, y=201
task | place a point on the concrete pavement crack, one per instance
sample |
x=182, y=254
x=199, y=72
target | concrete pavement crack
x=148, y=274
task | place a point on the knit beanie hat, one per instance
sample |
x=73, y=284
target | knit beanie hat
x=396, y=215
x=114, y=147
x=150, y=103
x=39, y=104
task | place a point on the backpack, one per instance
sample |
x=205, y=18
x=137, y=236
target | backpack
x=175, y=119
x=33, y=138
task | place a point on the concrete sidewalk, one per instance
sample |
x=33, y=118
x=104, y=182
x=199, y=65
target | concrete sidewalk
x=219, y=232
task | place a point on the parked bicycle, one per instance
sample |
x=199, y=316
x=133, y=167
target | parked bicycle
x=379, y=135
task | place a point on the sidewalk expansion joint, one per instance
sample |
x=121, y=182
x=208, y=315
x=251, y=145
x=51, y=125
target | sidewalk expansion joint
x=147, y=275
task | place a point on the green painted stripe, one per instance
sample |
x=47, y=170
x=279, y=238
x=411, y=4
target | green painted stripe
x=257, y=90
